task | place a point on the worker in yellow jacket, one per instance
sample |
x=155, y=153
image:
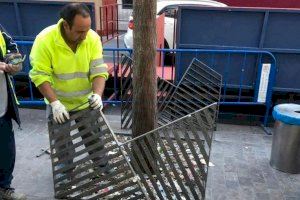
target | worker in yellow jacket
x=67, y=64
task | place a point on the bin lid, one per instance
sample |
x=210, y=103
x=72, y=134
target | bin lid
x=288, y=113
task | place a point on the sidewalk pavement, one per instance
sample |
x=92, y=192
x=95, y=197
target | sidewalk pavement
x=240, y=157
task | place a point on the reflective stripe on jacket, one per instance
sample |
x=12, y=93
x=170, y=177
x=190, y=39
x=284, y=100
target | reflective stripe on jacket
x=70, y=74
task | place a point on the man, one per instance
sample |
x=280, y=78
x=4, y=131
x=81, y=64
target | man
x=10, y=63
x=68, y=63
x=68, y=67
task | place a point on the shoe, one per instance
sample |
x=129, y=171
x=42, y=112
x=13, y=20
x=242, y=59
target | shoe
x=10, y=194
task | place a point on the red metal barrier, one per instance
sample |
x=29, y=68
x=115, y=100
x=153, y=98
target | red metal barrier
x=109, y=22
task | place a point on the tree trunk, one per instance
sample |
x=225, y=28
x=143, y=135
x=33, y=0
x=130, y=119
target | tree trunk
x=144, y=69
x=144, y=75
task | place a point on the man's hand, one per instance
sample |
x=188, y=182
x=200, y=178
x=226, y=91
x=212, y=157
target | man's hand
x=95, y=101
x=9, y=68
x=14, y=62
x=12, y=69
x=59, y=112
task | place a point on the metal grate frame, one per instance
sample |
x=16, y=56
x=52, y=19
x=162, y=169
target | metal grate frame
x=77, y=160
x=176, y=160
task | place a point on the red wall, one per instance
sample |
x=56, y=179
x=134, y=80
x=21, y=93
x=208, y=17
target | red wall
x=263, y=3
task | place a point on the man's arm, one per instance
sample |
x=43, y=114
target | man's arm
x=47, y=91
x=98, y=68
x=41, y=72
x=98, y=85
x=98, y=73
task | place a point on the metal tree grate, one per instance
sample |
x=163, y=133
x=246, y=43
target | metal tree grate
x=87, y=162
x=172, y=161
x=126, y=92
x=165, y=90
x=200, y=86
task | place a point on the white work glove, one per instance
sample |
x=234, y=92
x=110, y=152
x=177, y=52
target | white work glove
x=59, y=112
x=95, y=101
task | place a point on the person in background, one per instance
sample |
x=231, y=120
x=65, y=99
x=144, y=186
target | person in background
x=10, y=63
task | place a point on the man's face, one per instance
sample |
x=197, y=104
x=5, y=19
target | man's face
x=77, y=33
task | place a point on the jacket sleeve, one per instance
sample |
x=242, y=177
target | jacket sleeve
x=40, y=61
x=97, y=65
x=11, y=46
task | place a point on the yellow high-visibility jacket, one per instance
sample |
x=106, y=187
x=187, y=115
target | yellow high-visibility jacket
x=70, y=74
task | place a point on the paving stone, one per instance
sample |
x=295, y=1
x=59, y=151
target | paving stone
x=292, y=198
x=272, y=182
x=247, y=193
x=234, y=194
x=231, y=176
x=232, y=185
x=262, y=196
x=245, y=181
x=256, y=175
x=208, y=194
x=292, y=194
x=219, y=195
x=230, y=168
x=275, y=194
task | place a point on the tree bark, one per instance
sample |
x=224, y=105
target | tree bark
x=144, y=69
x=144, y=78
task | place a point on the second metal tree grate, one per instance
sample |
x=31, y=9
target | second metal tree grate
x=199, y=86
x=172, y=160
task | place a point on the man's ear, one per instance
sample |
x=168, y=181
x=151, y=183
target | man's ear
x=66, y=25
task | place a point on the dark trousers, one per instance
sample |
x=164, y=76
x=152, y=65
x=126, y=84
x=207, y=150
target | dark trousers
x=7, y=151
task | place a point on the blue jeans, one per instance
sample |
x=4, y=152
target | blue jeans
x=7, y=151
